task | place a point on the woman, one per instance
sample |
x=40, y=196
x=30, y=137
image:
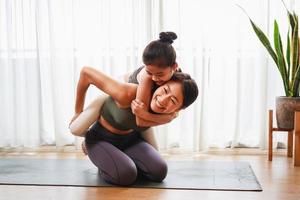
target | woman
x=159, y=58
x=113, y=143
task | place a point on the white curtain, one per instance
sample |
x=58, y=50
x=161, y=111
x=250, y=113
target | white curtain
x=44, y=43
x=219, y=48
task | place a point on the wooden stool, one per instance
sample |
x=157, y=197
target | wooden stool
x=290, y=141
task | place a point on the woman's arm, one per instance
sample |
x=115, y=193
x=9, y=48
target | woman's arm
x=122, y=93
x=81, y=122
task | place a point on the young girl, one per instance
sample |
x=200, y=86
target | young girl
x=159, y=58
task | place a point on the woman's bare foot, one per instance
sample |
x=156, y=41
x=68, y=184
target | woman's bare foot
x=83, y=147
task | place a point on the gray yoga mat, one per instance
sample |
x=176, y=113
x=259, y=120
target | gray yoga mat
x=194, y=175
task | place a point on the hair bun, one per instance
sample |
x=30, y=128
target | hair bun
x=167, y=37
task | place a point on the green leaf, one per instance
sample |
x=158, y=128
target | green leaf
x=288, y=59
x=291, y=20
x=288, y=52
x=296, y=83
x=280, y=61
x=264, y=40
x=295, y=56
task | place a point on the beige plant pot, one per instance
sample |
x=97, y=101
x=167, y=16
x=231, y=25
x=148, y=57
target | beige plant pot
x=285, y=108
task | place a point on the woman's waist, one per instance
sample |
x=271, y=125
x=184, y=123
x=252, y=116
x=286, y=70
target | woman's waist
x=112, y=129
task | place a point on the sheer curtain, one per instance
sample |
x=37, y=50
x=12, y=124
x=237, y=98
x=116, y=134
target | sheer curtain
x=219, y=48
x=44, y=44
x=238, y=81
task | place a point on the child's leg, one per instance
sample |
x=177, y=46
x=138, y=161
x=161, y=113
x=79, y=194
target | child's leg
x=88, y=116
x=149, y=137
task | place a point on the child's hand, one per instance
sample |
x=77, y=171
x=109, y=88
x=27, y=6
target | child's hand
x=175, y=114
x=171, y=116
x=138, y=108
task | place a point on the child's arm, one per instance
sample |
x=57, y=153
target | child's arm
x=148, y=135
x=138, y=108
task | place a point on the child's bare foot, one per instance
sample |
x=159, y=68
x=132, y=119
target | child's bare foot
x=83, y=147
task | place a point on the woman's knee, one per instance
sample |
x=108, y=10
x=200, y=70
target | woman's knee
x=127, y=176
x=77, y=128
x=159, y=172
x=77, y=131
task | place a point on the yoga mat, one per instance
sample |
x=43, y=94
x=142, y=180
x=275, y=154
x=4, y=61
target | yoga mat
x=194, y=175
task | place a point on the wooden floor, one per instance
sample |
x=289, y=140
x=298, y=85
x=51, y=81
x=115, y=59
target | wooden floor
x=279, y=179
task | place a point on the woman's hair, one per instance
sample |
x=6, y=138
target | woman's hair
x=161, y=52
x=189, y=88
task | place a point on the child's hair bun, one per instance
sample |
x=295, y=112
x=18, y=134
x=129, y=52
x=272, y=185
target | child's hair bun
x=167, y=37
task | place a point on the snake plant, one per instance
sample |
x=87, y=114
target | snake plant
x=286, y=60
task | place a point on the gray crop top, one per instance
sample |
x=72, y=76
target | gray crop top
x=119, y=118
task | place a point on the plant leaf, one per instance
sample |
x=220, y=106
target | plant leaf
x=280, y=61
x=288, y=52
x=291, y=19
x=264, y=40
x=296, y=83
x=295, y=57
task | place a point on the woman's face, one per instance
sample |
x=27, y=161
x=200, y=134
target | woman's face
x=160, y=75
x=168, y=98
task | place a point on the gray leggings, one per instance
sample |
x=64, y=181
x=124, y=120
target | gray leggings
x=120, y=158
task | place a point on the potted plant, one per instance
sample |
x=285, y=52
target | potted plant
x=287, y=62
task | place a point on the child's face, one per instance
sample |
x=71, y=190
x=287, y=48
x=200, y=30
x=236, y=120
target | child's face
x=160, y=75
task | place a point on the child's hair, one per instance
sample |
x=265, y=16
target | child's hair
x=161, y=52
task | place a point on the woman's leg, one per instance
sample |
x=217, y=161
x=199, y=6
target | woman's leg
x=82, y=123
x=115, y=166
x=148, y=136
x=148, y=161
